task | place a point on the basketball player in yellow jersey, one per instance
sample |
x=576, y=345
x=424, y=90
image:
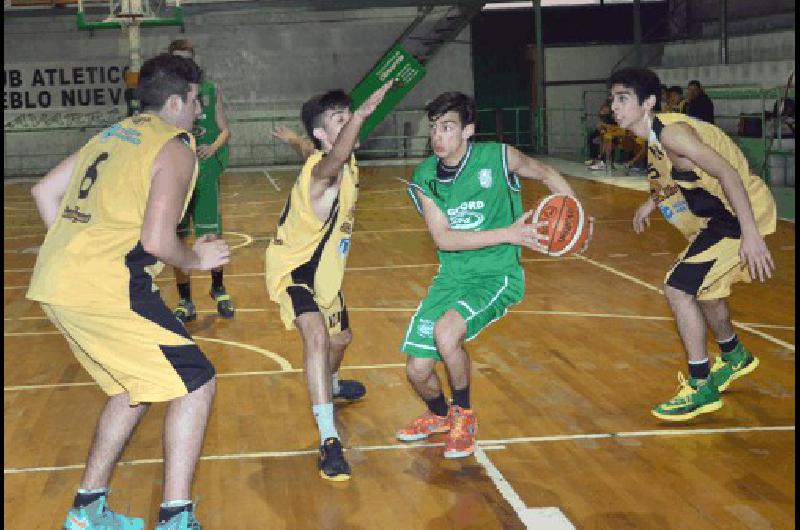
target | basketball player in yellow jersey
x=306, y=260
x=111, y=210
x=702, y=184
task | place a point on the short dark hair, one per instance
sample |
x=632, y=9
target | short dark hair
x=313, y=110
x=663, y=86
x=644, y=82
x=458, y=102
x=180, y=45
x=696, y=83
x=675, y=89
x=163, y=76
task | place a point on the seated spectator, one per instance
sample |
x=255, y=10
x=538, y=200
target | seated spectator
x=663, y=100
x=596, y=145
x=698, y=104
x=675, y=101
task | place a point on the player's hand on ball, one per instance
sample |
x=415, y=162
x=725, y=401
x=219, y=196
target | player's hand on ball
x=205, y=151
x=212, y=252
x=527, y=234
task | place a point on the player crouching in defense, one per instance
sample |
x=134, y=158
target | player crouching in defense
x=469, y=195
x=701, y=182
x=305, y=262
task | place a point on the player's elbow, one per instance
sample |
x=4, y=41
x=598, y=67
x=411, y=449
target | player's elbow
x=153, y=243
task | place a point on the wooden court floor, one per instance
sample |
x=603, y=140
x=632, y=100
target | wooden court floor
x=562, y=387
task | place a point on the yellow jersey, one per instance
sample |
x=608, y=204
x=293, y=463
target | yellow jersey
x=693, y=200
x=92, y=254
x=308, y=250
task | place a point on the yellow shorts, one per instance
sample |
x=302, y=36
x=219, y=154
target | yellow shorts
x=709, y=266
x=146, y=352
x=299, y=298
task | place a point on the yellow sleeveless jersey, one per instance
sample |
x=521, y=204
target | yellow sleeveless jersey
x=692, y=200
x=307, y=250
x=92, y=254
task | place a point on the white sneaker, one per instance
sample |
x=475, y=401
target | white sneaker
x=597, y=166
x=589, y=162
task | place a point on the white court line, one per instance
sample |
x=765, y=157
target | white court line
x=282, y=362
x=247, y=239
x=20, y=388
x=402, y=447
x=538, y=518
x=637, y=281
x=580, y=314
x=271, y=180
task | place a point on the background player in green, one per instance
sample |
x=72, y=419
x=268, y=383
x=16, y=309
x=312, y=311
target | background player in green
x=212, y=135
x=469, y=195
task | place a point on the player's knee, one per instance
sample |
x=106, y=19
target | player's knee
x=342, y=340
x=449, y=332
x=418, y=370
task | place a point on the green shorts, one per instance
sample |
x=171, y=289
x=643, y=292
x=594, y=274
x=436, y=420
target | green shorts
x=480, y=301
x=203, y=210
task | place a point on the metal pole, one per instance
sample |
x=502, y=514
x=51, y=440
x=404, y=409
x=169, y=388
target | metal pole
x=541, y=99
x=723, y=32
x=637, y=32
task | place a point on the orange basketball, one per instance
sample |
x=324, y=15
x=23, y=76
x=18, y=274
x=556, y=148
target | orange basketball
x=568, y=226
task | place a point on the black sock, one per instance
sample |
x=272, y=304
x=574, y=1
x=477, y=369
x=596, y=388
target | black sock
x=216, y=280
x=730, y=345
x=165, y=514
x=699, y=370
x=461, y=398
x=85, y=499
x=185, y=291
x=437, y=405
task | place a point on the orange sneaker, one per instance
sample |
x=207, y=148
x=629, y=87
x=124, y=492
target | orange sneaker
x=461, y=439
x=422, y=427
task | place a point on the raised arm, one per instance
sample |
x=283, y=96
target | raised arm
x=48, y=192
x=331, y=164
x=169, y=185
x=301, y=145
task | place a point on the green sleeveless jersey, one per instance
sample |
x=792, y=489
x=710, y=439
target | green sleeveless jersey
x=482, y=195
x=205, y=128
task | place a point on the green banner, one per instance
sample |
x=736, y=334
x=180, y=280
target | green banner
x=397, y=64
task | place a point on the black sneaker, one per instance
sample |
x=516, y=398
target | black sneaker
x=224, y=303
x=185, y=312
x=332, y=465
x=349, y=391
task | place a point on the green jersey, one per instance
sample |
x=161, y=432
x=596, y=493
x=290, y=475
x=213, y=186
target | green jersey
x=205, y=128
x=481, y=195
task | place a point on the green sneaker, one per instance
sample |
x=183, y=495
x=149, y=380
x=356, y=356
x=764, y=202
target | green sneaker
x=97, y=516
x=693, y=398
x=182, y=521
x=185, y=312
x=730, y=366
x=224, y=304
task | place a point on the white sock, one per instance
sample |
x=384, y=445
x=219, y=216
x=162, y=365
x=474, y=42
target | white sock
x=323, y=414
x=335, y=383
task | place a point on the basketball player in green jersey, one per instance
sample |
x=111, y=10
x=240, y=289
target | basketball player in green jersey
x=469, y=195
x=212, y=135
x=702, y=184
